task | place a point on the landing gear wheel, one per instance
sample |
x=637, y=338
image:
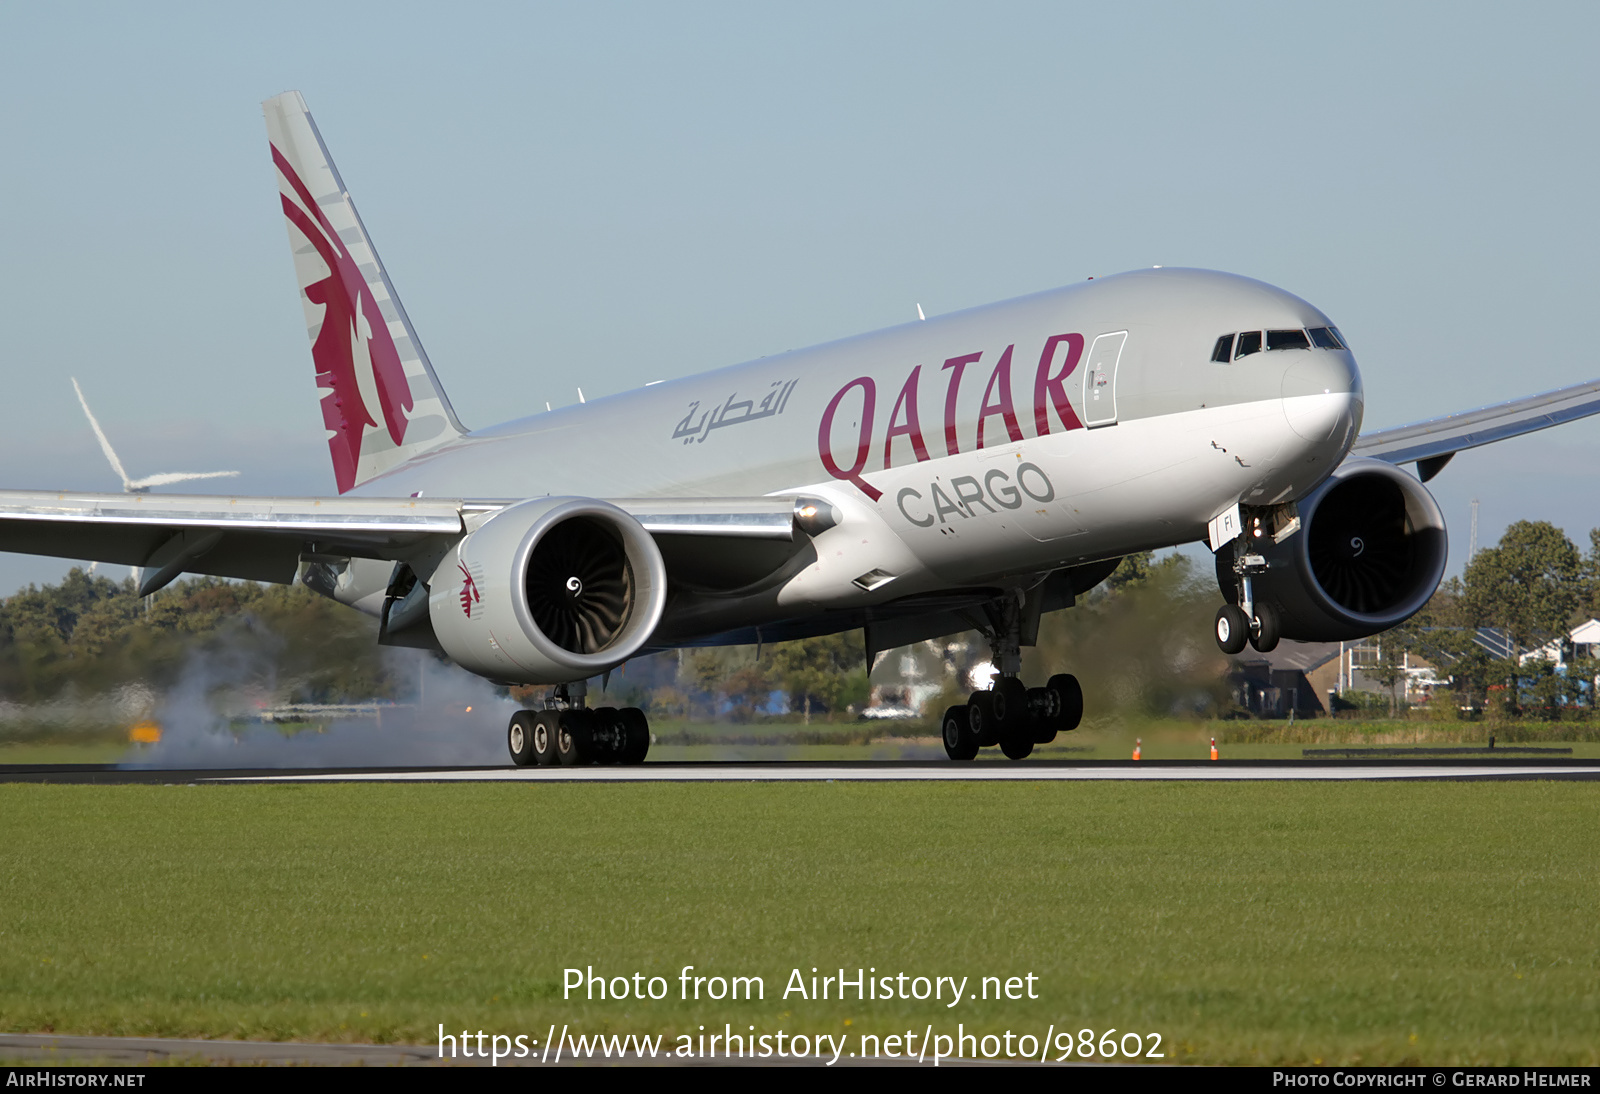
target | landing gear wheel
x=575, y=737
x=1045, y=706
x=1232, y=629
x=1017, y=744
x=980, y=712
x=636, y=735
x=544, y=737
x=1264, y=634
x=1013, y=717
x=608, y=735
x=1010, y=703
x=519, y=738
x=1069, y=715
x=960, y=743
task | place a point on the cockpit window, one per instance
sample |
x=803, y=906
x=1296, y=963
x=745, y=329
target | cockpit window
x=1343, y=341
x=1231, y=347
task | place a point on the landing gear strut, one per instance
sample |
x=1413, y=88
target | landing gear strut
x=1248, y=620
x=1009, y=713
x=566, y=732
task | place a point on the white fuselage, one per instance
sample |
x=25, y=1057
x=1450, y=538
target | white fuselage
x=1000, y=442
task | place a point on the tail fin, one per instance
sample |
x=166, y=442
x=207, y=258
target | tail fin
x=381, y=403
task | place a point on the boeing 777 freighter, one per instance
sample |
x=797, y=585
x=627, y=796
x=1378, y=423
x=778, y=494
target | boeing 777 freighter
x=972, y=470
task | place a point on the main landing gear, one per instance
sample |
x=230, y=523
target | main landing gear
x=568, y=733
x=1011, y=714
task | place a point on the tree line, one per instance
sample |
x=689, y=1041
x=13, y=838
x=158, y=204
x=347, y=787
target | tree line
x=1139, y=643
x=1535, y=585
x=90, y=634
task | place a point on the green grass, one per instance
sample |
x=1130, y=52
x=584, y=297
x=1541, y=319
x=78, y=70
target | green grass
x=1434, y=923
x=63, y=752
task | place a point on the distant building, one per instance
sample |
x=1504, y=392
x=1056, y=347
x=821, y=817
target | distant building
x=1275, y=691
x=904, y=680
x=1301, y=676
x=1580, y=644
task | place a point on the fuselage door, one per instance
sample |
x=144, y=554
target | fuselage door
x=1100, y=380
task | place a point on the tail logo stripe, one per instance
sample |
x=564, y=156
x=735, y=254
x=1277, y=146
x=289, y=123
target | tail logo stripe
x=351, y=316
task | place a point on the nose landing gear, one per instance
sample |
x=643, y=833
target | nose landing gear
x=1249, y=621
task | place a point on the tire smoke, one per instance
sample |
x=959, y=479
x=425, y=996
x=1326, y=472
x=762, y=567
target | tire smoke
x=213, y=718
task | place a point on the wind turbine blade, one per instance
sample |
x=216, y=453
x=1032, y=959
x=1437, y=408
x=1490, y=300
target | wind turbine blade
x=105, y=445
x=167, y=478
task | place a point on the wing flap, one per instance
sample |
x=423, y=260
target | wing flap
x=739, y=518
x=1485, y=425
x=264, y=538
x=261, y=539
x=358, y=516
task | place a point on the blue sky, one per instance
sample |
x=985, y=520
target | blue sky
x=606, y=194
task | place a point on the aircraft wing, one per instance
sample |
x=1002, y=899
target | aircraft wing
x=265, y=539
x=1430, y=444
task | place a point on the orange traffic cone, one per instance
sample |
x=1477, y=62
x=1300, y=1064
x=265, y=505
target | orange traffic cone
x=1137, y=741
x=1213, y=748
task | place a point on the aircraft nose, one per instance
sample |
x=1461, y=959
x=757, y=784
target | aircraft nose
x=1322, y=394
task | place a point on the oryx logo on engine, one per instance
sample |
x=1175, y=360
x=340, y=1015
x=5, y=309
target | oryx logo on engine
x=469, y=590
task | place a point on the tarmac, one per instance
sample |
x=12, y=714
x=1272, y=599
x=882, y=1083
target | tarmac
x=844, y=771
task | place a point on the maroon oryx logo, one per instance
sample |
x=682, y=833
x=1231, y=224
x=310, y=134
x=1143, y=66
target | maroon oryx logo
x=469, y=590
x=351, y=315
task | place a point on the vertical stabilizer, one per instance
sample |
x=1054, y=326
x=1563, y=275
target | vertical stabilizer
x=381, y=403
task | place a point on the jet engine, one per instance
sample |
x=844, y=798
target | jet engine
x=548, y=591
x=1369, y=553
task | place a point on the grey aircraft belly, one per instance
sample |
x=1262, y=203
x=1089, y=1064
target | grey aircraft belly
x=968, y=471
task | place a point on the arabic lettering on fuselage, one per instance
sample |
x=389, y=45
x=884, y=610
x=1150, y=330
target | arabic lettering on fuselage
x=733, y=411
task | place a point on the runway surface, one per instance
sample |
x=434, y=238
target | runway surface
x=846, y=771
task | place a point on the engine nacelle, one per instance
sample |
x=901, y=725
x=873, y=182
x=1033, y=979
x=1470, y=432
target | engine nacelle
x=548, y=591
x=1369, y=553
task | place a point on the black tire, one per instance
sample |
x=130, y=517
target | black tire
x=637, y=729
x=1044, y=704
x=1264, y=635
x=1232, y=629
x=519, y=738
x=1014, y=721
x=1010, y=703
x=1069, y=694
x=608, y=734
x=980, y=714
x=1017, y=744
x=544, y=737
x=575, y=738
x=960, y=743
